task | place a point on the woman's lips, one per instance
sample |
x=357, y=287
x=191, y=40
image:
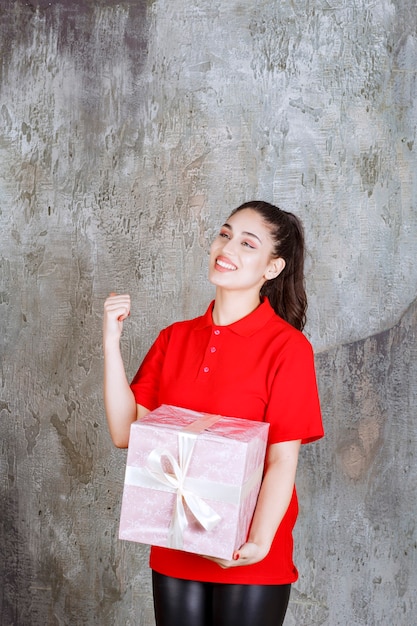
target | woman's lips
x=226, y=265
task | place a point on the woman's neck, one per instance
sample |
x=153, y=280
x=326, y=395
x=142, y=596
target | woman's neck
x=229, y=307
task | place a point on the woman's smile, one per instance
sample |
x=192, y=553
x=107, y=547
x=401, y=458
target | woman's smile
x=224, y=264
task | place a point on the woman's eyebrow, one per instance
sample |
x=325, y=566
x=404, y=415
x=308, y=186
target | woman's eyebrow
x=251, y=235
x=245, y=232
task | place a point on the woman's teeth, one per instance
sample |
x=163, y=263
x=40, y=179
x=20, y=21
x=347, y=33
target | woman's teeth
x=226, y=266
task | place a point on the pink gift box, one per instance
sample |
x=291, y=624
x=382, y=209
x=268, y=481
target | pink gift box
x=192, y=480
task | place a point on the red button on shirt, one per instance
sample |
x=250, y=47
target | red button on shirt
x=266, y=372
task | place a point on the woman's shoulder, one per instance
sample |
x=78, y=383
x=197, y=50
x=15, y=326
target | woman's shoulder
x=284, y=333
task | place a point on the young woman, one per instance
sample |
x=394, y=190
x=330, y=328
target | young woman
x=245, y=357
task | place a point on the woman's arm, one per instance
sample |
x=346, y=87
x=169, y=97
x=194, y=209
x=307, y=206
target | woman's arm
x=273, y=501
x=119, y=401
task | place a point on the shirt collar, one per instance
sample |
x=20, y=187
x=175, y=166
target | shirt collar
x=246, y=326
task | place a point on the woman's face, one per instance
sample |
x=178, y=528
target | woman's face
x=241, y=254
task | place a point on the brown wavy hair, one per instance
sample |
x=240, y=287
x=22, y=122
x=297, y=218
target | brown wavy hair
x=286, y=292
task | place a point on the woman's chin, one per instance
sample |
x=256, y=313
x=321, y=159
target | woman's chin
x=216, y=279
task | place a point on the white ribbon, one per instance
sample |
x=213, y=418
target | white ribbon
x=187, y=489
x=204, y=514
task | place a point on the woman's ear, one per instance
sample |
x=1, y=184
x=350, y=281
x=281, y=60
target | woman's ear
x=275, y=268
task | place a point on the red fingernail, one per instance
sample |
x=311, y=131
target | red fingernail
x=236, y=557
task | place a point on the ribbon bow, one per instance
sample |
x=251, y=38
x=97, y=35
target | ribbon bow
x=203, y=513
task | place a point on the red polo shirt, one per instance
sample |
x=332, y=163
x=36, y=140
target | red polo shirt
x=258, y=368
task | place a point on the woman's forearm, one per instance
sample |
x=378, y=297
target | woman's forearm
x=119, y=401
x=275, y=494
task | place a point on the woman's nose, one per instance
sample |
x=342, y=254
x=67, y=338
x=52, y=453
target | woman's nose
x=229, y=245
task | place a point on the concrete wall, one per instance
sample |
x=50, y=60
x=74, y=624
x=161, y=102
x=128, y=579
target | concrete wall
x=127, y=132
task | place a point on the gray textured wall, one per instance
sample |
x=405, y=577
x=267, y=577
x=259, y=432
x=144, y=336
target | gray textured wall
x=127, y=132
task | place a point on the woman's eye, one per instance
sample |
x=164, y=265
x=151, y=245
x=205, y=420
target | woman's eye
x=248, y=245
x=225, y=235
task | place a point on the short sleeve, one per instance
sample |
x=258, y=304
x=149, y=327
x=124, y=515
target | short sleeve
x=294, y=408
x=145, y=384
